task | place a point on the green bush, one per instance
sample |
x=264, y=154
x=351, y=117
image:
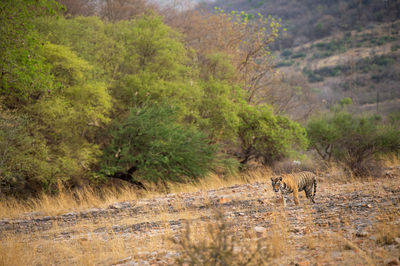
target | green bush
x=24, y=164
x=284, y=63
x=333, y=46
x=323, y=54
x=287, y=52
x=313, y=77
x=151, y=141
x=352, y=141
x=266, y=136
x=299, y=55
x=331, y=71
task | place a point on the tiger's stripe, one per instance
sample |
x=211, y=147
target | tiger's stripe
x=294, y=183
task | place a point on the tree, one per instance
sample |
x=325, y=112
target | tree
x=242, y=37
x=154, y=66
x=290, y=94
x=114, y=10
x=152, y=142
x=24, y=76
x=78, y=7
x=71, y=116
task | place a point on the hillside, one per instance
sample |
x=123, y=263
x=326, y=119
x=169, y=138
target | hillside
x=341, y=48
x=309, y=20
x=363, y=65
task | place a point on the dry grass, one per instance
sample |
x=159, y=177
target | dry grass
x=387, y=227
x=206, y=243
x=224, y=243
x=87, y=249
x=66, y=201
x=87, y=197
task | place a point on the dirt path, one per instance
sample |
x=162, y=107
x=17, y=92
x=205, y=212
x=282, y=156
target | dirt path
x=346, y=226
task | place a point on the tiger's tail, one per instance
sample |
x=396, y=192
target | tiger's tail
x=315, y=186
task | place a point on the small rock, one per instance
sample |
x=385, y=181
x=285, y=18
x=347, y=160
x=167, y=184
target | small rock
x=224, y=200
x=171, y=255
x=260, y=231
x=116, y=206
x=361, y=234
x=392, y=262
x=397, y=240
x=69, y=214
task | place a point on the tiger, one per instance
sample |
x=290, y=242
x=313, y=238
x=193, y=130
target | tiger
x=294, y=183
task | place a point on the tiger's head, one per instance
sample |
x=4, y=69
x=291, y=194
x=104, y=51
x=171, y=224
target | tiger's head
x=276, y=183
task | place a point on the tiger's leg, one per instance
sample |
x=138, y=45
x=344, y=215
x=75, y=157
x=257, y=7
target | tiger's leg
x=309, y=195
x=296, y=196
x=284, y=199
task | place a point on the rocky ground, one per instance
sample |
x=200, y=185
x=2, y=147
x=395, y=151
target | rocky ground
x=354, y=223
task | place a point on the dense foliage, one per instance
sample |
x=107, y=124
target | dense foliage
x=352, y=140
x=83, y=99
x=152, y=141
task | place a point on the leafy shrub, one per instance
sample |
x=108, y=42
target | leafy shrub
x=394, y=119
x=394, y=47
x=287, y=52
x=151, y=141
x=383, y=60
x=299, y=55
x=266, y=136
x=329, y=71
x=284, y=63
x=352, y=141
x=323, y=54
x=313, y=77
x=24, y=163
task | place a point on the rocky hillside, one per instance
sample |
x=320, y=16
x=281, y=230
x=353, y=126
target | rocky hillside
x=351, y=223
x=341, y=48
x=363, y=65
x=310, y=20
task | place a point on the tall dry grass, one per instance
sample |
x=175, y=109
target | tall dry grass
x=66, y=200
x=87, y=197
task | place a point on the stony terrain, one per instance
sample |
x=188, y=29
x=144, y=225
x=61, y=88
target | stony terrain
x=351, y=223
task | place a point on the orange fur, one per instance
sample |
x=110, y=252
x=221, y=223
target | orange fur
x=290, y=182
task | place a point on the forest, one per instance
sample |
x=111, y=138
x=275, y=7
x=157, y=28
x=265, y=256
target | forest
x=91, y=91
